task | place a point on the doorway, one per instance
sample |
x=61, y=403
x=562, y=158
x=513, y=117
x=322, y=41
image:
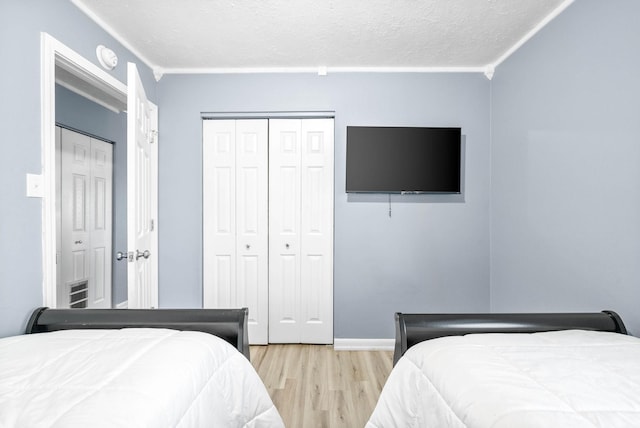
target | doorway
x=61, y=65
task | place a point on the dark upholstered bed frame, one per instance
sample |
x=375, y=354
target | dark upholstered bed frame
x=228, y=324
x=415, y=328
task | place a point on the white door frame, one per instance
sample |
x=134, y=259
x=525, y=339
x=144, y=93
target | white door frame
x=56, y=54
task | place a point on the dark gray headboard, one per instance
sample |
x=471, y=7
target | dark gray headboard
x=415, y=328
x=228, y=324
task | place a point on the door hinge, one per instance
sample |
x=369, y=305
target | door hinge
x=153, y=136
x=153, y=225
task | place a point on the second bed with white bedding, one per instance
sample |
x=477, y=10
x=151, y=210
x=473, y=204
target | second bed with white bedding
x=570, y=378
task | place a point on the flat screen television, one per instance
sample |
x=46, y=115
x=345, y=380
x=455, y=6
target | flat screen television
x=403, y=159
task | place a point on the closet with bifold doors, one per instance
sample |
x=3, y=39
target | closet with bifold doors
x=268, y=225
x=84, y=241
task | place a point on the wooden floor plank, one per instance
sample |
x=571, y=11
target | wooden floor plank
x=316, y=386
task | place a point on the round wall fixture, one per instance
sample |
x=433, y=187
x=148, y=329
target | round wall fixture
x=108, y=58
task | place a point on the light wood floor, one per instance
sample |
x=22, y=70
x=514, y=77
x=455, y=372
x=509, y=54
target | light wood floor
x=315, y=386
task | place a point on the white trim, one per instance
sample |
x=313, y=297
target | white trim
x=55, y=53
x=113, y=33
x=123, y=305
x=269, y=115
x=88, y=96
x=47, y=130
x=363, y=344
x=314, y=70
x=533, y=32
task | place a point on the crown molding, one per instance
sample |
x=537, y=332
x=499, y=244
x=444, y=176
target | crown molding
x=113, y=33
x=532, y=33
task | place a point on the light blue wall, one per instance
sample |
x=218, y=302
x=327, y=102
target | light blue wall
x=565, y=228
x=21, y=22
x=432, y=255
x=78, y=113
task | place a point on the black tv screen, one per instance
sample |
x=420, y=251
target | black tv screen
x=403, y=159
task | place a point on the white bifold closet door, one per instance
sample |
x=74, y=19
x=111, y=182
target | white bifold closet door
x=85, y=200
x=268, y=225
x=235, y=183
x=301, y=231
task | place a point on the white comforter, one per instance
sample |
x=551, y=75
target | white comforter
x=129, y=378
x=557, y=379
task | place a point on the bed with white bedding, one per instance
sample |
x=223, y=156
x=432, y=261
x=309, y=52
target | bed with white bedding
x=130, y=377
x=554, y=378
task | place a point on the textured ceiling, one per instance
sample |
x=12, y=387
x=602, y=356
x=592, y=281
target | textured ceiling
x=245, y=35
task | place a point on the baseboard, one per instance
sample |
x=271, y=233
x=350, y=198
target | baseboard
x=123, y=305
x=363, y=344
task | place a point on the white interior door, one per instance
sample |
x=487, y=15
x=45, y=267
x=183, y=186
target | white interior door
x=301, y=230
x=142, y=151
x=235, y=196
x=86, y=171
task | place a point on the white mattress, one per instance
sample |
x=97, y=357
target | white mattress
x=557, y=379
x=129, y=378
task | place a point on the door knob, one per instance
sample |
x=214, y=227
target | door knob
x=286, y=246
x=144, y=254
x=124, y=255
x=248, y=247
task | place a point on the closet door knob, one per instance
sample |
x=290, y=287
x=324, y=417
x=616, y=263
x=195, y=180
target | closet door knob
x=286, y=246
x=248, y=247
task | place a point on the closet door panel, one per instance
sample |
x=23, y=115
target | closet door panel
x=284, y=233
x=219, y=213
x=252, y=233
x=316, y=250
x=75, y=217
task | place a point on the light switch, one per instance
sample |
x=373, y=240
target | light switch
x=34, y=186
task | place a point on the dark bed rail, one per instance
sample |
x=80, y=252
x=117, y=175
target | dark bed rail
x=228, y=324
x=415, y=328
